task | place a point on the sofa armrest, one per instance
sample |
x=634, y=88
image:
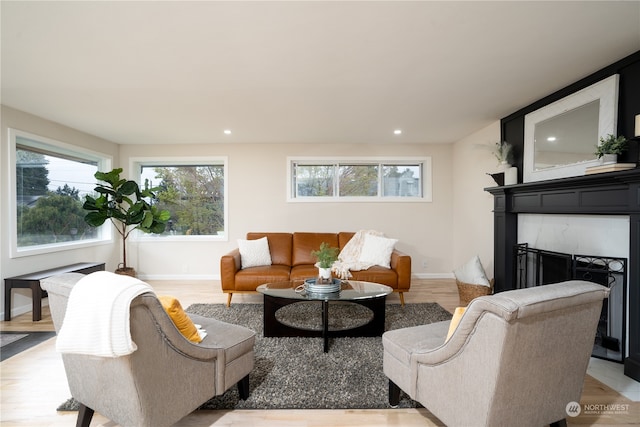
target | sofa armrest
x=401, y=264
x=229, y=265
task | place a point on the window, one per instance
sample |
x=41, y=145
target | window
x=316, y=179
x=193, y=192
x=50, y=181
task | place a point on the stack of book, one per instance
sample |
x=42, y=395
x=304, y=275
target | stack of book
x=611, y=167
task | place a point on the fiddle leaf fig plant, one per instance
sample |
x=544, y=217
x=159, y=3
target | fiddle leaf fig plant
x=123, y=203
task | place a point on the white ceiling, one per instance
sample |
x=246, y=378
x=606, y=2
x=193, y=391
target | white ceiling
x=299, y=72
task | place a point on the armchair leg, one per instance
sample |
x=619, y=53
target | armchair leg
x=561, y=423
x=84, y=416
x=243, y=388
x=394, y=394
x=401, y=294
x=229, y=296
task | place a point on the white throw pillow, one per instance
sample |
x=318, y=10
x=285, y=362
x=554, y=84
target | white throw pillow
x=377, y=250
x=472, y=272
x=254, y=253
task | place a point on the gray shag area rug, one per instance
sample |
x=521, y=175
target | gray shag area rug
x=295, y=373
x=12, y=343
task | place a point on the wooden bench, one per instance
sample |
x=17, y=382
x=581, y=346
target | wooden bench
x=32, y=280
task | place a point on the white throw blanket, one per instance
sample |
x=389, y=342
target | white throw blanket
x=349, y=257
x=97, y=320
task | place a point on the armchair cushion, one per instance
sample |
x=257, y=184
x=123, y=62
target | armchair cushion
x=184, y=324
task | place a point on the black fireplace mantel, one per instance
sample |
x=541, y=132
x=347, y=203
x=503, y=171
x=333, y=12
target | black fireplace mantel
x=613, y=193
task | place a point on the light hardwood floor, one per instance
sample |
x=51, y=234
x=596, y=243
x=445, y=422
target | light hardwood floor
x=33, y=383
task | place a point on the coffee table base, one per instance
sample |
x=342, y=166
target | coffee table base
x=274, y=328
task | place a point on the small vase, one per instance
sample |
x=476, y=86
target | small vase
x=503, y=166
x=608, y=158
x=324, y=275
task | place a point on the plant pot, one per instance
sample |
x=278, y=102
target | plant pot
x=608, y=159
x=503, y=166
x=126, y=271
x=324, y=275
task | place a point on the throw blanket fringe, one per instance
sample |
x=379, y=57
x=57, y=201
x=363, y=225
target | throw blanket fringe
x=97, y=321
x=348, y=259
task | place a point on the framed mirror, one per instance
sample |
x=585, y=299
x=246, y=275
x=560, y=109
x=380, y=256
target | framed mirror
x=560, y=139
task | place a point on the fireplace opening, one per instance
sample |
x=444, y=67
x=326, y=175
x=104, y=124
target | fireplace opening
x=537, y=267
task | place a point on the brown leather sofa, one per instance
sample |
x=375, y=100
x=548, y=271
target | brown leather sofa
x=291, y=259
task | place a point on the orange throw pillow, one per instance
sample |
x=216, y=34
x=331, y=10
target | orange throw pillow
x=457, y=315
x=180, y=319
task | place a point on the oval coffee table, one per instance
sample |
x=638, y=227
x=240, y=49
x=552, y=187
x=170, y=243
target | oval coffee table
x=367, y=294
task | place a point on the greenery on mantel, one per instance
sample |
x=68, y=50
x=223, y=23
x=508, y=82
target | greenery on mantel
x=611, y=145
x=502, y=151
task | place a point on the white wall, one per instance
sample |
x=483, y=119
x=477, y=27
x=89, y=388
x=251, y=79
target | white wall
x=472, y=206
x=9, y=267
x=257, y=202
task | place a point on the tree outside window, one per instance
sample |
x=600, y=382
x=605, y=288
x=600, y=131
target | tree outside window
x=49, y=192
x=361, y=180
x=193, y=194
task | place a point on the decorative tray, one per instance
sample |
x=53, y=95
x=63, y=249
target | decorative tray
x=310, y=285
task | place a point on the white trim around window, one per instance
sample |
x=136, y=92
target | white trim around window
x=54, y=148
x=136, y=163
x=423, y=163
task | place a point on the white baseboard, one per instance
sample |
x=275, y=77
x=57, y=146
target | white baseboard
x=179, y=276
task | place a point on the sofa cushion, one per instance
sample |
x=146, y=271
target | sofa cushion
x=250, y=278
x=254, y=253
x=303, y=272
x=344, y=237
x=377, y=250
x=377, y=274
x=279, y=246
x=304, y=243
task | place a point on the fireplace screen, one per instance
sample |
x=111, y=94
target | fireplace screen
x=536, y=267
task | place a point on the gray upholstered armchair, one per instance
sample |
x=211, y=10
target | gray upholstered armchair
x=516, y=358
x=167, y=377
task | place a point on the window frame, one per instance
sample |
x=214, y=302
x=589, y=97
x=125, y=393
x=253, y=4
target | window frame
x=426, y=179
x=53, y=146
x=137, y=163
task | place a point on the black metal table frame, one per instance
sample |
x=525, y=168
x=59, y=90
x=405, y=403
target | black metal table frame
x=274, y=328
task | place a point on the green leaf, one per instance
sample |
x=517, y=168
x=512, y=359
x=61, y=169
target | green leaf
x=164, y=216
x=158, y=227
x=128, y=188
x=95, y=219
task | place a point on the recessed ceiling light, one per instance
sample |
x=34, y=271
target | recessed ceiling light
x=227, y=132
x=551, y=138
x=397, y=131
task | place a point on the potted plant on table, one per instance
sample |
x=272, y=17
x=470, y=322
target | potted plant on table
x=123, y=203
x=326, y=256
x=609, y=148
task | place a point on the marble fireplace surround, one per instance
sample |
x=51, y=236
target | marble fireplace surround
x=612, y=199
